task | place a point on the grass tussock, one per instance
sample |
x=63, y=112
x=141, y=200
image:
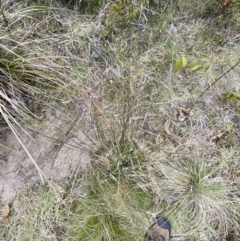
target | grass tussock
x=121, y=65
x=196, y=195
x=35, y=59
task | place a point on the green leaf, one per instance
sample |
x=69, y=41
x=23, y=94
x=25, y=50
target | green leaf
x=178, y=65
x=192, y=64
x=197, y=67
x=204, y=59
x=184, y=62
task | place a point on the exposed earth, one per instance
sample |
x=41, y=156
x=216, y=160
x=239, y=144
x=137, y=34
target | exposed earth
x=57, y=161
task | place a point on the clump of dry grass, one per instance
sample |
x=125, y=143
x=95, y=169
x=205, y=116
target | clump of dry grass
x=193, y=192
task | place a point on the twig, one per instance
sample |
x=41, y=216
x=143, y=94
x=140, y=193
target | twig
x=215, y=81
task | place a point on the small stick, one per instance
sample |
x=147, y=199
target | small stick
x=215, y=81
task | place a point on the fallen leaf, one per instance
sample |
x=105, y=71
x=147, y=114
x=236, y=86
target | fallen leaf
x=220, y=135
x=187, y=111
x=6, y=210
x=166, y=128
x=184, y=113
x=173, y=139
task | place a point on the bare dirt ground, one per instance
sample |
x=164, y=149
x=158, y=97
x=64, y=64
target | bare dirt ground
x=57, y=156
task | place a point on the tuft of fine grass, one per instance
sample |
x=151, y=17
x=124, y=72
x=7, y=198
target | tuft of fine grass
x=195, y=194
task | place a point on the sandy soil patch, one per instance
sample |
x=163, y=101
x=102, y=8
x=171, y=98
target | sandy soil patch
x=57, y=155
